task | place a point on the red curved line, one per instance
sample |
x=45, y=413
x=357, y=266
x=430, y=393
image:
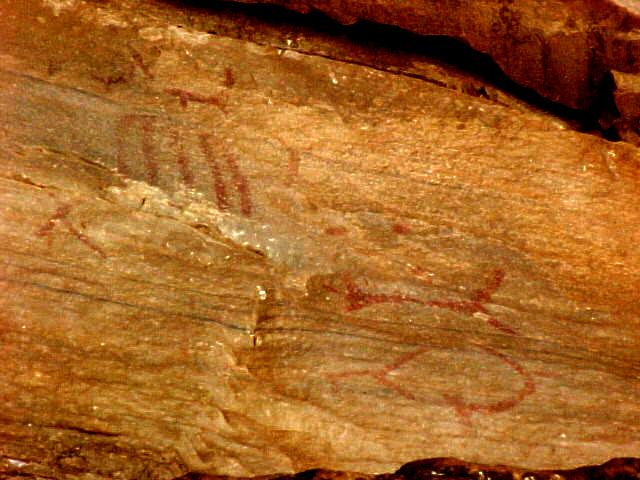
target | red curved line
x=464, y=409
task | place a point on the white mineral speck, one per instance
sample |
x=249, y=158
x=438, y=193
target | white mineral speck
x=14, y=462
x=262, y=293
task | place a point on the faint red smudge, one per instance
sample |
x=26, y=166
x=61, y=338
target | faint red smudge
x=108, y=80
x=146, y=124
x=545, y=374
x=151, y=165
x=241, y=184
x=183, y=160
x=335, y=231
x=293, y=163
x=358, y=299
x=60, y=217
x=401, y=229
x=464, y=409
x=139, y=61
x=186, y=96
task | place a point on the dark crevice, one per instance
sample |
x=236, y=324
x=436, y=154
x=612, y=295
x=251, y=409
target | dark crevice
x=384, y=45
x=85, y=431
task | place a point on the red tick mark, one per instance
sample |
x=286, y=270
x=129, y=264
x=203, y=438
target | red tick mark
x=229, y=79
x=335, y=231
x=61, y=217
x=185, y=97
x=401, y=229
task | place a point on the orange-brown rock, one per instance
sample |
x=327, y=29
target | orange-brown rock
x=562, y=50
x=226, y=255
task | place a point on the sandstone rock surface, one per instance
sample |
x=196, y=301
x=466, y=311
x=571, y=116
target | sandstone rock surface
x=231, y=256
x=565, y=51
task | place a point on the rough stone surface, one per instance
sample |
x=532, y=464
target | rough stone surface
x=231, y=257
x=562, y=50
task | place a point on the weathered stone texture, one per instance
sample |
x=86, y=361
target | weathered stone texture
x=227, y=256
x=562, y=50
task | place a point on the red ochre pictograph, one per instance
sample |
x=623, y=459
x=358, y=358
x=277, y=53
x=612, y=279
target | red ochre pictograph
x=381, y=375
x=463, y=408
x=358, y=299
x=137, y=138
x=60, y=217
x=144, y=126
x=239, y=181
x=186, y=96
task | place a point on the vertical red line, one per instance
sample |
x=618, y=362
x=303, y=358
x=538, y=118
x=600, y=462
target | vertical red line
x=146, y=125
x=151, y=165
x=241, y=184
x=183, y=161
x=218, y=181
x=123, y=128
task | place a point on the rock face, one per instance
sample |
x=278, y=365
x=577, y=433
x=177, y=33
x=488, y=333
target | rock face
x=562, y=50
x=225, y=253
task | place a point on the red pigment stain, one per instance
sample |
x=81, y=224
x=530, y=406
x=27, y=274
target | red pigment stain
x=401, y=229
x=240, y=182
x=139, y=61
x=358, y=299
x=151, y=165
x=218, y=182
x=229, y=78
x=381, y=375
x=185, y=97
x=463, y=409
x=293, y=163
x=183, y=161
x=335, y=231
x=144, y=124
x=126, y=124
x=60, y=217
